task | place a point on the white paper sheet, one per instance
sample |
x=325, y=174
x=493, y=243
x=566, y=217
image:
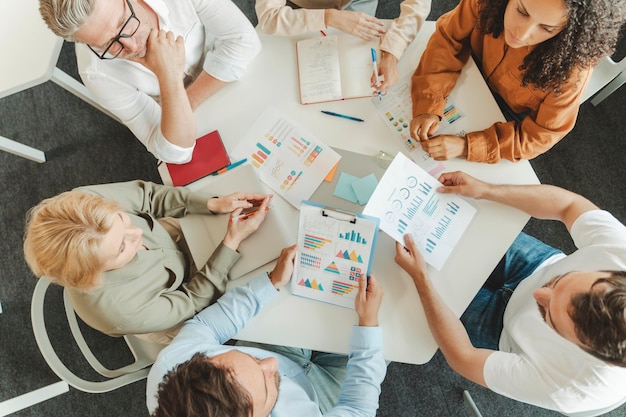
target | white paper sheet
x=290, y=160
x=406, y=201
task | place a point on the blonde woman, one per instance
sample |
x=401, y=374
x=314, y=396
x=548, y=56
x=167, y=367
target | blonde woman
x=118, y=250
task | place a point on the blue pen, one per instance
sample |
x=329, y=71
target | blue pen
x=330, y=113
x=380, y=95
x=229, y=167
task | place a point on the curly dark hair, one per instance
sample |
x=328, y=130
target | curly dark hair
x=591, y=32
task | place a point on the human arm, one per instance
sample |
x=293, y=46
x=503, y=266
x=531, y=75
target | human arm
x=400, y=33
x=447, y=329
x=366, y=366
x=552, y=116
x=233, y=310
x=277, y=18
x=166, y=201
x=540, y=201
x=165, y=57
x=446, y=53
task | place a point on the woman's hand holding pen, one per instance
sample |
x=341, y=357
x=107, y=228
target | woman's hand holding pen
x=231, y=202
x=358, y=24
x=241, y=226
x=387, y=73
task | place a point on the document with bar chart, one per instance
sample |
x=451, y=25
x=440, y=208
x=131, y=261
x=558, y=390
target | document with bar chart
x=335, y=251
x=285, y=156
x=406, y=201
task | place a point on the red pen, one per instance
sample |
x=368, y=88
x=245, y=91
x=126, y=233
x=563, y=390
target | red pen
x=323, y=33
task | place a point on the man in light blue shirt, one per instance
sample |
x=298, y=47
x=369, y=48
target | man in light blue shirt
x=198, y=375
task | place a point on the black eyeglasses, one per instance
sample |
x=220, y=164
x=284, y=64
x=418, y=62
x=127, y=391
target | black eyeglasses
x=128, y=30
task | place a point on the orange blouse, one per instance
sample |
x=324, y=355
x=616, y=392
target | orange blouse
x=551, y=116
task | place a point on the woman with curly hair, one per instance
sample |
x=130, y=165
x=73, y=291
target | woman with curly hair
x=536, y=56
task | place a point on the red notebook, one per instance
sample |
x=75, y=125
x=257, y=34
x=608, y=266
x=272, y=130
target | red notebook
x=209, y=155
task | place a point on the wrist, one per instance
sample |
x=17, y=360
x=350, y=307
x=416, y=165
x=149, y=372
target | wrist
x=368, y=322
x=231, y=242
x=211, y=205
x=388, y=56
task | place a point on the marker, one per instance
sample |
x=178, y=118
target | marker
x=229, y=167
x=380, y=94
x=330, y=113
x=323, y=33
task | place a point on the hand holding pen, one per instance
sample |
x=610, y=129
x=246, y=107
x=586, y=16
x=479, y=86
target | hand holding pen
x=376, y=76
x=240, y=225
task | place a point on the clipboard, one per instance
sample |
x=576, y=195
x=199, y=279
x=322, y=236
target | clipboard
x=335, y=250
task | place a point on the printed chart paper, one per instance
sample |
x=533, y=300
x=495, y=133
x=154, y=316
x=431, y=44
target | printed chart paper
x=335, y=250
x=396, y=109
x=406, y=201
x=286, y=157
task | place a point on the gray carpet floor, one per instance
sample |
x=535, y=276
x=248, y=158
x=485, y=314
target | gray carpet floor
x=84, y=146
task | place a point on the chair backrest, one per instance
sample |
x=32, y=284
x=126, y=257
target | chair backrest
x=143, y=351
x=604, y=73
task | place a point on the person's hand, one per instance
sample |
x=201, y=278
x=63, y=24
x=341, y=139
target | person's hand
x=231, y=202
x=387, y=73
x=240, y=226
x=367, y=302
x=358, y=24
x=410, y=259
x=444, y=147
x=424, y=126
x=281, y=274
x=459, y=182
x=165, y=55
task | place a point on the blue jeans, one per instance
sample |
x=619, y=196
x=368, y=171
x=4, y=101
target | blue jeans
x=483, y=318
x=325, y=371
x=365, y=6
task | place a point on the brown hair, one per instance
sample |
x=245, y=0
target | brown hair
x=63, y=237
x=599, y=318
x=200, y=388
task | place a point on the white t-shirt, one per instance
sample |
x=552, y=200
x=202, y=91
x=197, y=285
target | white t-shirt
x=219, y=39
x=536, y=365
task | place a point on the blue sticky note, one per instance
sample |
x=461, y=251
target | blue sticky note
x=364, y=188
x=344, y=187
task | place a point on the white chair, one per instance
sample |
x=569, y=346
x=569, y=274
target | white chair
x=31, y=61
x=607, y=77
x=143, y=351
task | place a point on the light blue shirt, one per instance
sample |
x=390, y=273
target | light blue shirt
x=216, y=324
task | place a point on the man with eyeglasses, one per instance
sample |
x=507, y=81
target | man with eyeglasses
x=546, y=329
x=153, y=62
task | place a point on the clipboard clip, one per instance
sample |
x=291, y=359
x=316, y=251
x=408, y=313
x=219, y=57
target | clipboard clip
x=338, y=214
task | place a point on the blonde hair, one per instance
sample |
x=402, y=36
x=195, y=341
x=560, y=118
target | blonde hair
x=64, y=17
x=63, y=237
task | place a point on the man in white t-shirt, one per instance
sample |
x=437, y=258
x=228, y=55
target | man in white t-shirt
x=153, y=62
x=546, y=329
